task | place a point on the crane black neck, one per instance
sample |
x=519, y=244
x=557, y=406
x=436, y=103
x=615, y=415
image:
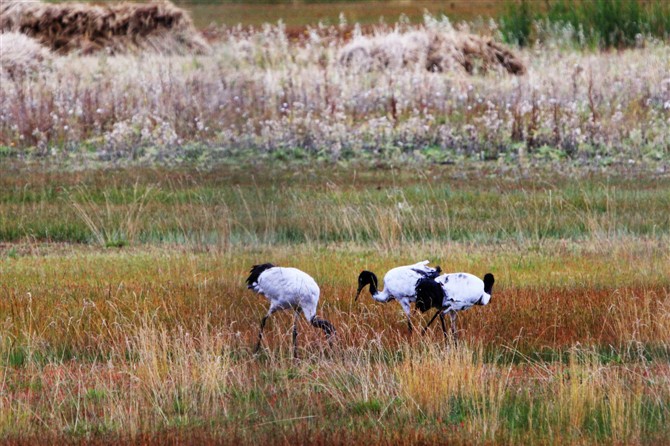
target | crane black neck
x=373, y=288
x=373, y=283
x=368, y=278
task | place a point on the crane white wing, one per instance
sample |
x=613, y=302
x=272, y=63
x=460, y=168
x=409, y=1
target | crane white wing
x=400, y=282
x=290, y=288
x=422, y=266
x=463, y=290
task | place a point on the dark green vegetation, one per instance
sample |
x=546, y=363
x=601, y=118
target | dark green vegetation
x=594, y=23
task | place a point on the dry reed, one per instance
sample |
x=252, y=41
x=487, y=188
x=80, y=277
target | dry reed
x=283, y=99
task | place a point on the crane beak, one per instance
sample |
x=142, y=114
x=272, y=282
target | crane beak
x=358, y=294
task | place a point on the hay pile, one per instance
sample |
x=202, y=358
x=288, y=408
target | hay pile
x=434, y=50
x=117, y=28
x=21, y=55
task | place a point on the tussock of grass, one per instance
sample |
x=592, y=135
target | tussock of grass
x=21, y=55
x=442, y=49
x=113, y=28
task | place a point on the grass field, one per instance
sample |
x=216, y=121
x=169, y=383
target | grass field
x=137, y=190
x=126, y=318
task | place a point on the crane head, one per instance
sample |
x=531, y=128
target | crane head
x=366, y=278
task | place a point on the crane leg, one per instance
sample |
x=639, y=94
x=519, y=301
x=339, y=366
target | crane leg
x=444, y=327
x=295, y=335
x=406, y=308
x=453, y=326
x=431, y=321
x=327, y=328
x=260, y=333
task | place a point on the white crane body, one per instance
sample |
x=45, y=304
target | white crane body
x=288, y=288
x=451, y=293
x=399, y=284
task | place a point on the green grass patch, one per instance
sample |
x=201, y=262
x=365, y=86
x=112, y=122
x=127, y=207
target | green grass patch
x=595, y=23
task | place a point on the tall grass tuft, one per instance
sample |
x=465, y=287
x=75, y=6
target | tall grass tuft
x=108, y=226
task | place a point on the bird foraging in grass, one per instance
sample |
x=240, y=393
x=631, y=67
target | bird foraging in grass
x=399, y=284
x=288, y=288
x=450, y=293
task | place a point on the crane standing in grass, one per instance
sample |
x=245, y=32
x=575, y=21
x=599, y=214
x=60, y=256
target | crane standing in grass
x=288, y=288
x=450, y=293
x=399, y=283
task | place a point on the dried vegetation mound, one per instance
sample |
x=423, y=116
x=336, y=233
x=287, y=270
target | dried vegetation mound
x=434, y=50
x=20, y=55
x=116, y=28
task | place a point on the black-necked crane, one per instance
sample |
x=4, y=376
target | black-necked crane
x=450, y=293
x=399, y=284
x=288, y=288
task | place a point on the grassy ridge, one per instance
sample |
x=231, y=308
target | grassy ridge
x=228, y=207
x=301, y=13
x=606, y=23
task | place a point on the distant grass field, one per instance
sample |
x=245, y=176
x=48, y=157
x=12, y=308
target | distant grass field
x=229, y=207
x=298, y=13
x=311, y=13
x=263, y=96
x=125, y=316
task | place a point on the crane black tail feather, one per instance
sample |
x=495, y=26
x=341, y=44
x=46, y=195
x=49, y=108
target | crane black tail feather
x=432, y=274
x=488, y=283
x=324, y=325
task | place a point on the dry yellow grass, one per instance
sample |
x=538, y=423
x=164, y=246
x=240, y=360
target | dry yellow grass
x=116, y=28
